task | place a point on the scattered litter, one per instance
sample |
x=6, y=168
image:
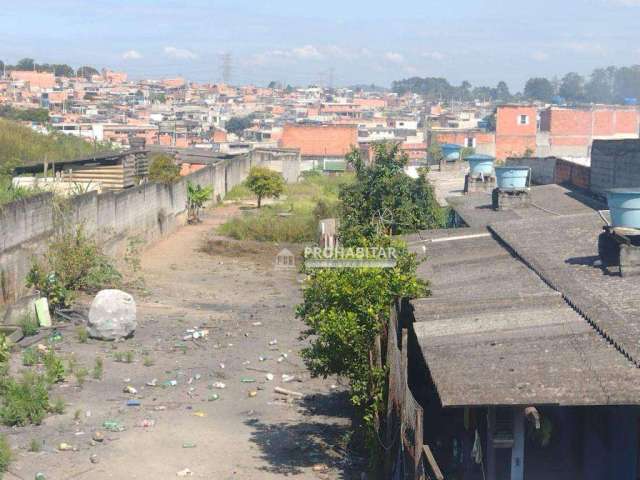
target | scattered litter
x=40, y=476
x=152, y=383
x=320, y=467
x=184, y=473
x=248, y=380
x=42, y=312
x=262, y=359
x=64, y=447
x=98, y=436
x=222, y=365
x=197, y=376
x=170, y=383
x=213, y=397
x=199, y=414
x=288, y=378
x=188, y=445
x=273, y=342
x=333, y=387
x=130, y=389
x=94, y=458
x=146, y=423
x=291, y=393
x=133, y=403
x=252, y=394
x=160, y=408
x=257, y=324
x=246, y=362
x=112, y=426
x=269, y=376
x=219, y=385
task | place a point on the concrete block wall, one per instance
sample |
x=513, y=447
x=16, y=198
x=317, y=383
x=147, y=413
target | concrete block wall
x=148, y=212
x=542, y=169
x=615, y=164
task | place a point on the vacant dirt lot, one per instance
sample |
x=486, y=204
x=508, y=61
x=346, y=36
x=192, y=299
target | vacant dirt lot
x=249, y=432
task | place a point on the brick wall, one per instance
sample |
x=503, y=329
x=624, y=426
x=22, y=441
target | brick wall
x=572, y=174
x=512, y=137
x=320, y=140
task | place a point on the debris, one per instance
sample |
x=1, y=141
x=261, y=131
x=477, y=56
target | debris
x=188, y=445
x=64, y=447
x=42, y=312
x=288, y=378
x=184, y=473
x=248, y=380
x=112, y=315
x=147, y=422
x=130, y=389
x=160, y=408
x=98, y=436
x=152, y=383
x=252, y=394
x=112, y=426
x=94, y=458
x=257, y=324
x=333, y=387
x=222, y=365
x=320, y=467
x=269, y=376
x=273, y=342
x=133, y=403
x=219, y=385
x=199, y=414
x=213, y=397
x=40, y=476
x=291, y=393
x=170, y=383
x=262, y=359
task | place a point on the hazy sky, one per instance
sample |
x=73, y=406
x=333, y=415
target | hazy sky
x=299, y=41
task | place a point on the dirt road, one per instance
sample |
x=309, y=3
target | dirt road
x=249, y=431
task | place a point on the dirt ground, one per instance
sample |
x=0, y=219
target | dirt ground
x=250, y=431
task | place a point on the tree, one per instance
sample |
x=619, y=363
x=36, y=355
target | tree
x=572, y=87
x=197, y=196
x=599, y=88
x=238, y=124
x=502, y=92
x=62, y=70
x=435, y=152
x=87, y=72
x=25, y=64
x=264, y=183
x=384, y=198
x=539, y=89
x=163, y=169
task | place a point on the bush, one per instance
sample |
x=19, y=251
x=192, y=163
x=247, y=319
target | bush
x=25, y=401
x=163, y=169
x=29, y=325
x=30, y=357
x=5, y=455
x=54, y=367
x=74, y=261
x=264, y=183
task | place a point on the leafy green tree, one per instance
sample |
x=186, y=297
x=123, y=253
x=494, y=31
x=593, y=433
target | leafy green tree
x=63, y=70
x=599, y=88
x=435, y=152
x=539, y=89
x=163, y=169
x=264, y=183
x=87, y=72
x=572, y=87
x=197, y=196
x=26, y=64
x=502, y=92
x=238, y=124
x=385, y=199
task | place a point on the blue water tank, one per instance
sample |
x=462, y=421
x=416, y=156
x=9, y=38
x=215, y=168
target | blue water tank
x=624, y=206
x=451, y=151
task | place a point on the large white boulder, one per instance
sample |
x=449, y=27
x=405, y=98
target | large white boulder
x=112, y=315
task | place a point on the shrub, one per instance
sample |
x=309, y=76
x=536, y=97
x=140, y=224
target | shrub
x=5, y=455
x=30, y=357
x=58, y=406
x=81, y=375
x=268, y=226
x=35, y=445
x=5, y=349
x=98, y=368
x=74, y=261
x=54, y=367
x=264, y=183
x=163, y=169
x=82, y=334
x=25, y=401
x=29, y=325
x=197, y=196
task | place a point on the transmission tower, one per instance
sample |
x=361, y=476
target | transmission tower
x=226, y=65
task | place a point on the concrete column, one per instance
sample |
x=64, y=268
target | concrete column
x=517, y=451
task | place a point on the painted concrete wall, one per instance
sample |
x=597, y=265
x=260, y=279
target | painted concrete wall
x=149, y=212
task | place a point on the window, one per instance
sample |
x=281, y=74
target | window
x=523, y=119
x=470, y=142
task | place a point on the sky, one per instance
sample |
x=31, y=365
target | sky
x=348, y=41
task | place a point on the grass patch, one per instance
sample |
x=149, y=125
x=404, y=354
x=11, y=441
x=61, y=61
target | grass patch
x=82, y=334
x=29, y=325
x=239, y=192
x=5, y=455
x=25, y=401
x=35, y=445
x=30, y=357
x=294, y=219
x=98, y=368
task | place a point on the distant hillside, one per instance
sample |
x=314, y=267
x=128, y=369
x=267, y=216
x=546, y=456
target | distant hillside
x=20, y=145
